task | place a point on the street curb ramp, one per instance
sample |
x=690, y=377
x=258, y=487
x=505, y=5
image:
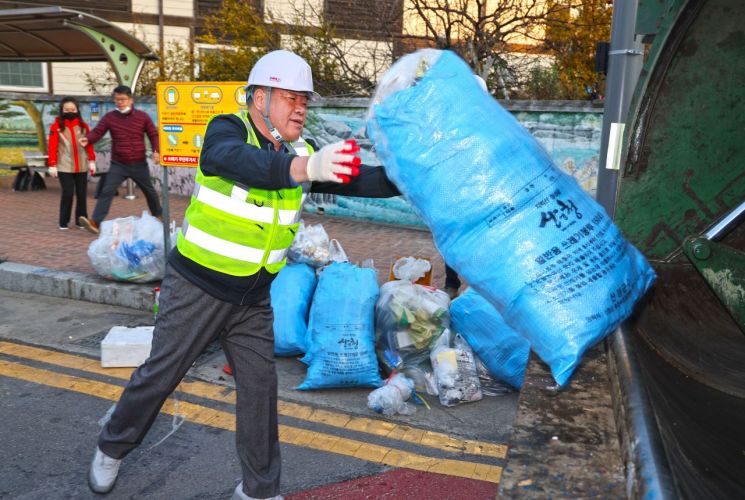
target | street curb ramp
x=26, y=278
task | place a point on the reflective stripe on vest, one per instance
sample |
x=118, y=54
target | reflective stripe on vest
x=236, y=229
x=230, y=249
x=238, y=207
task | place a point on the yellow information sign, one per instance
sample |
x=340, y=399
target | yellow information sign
x=183, y=111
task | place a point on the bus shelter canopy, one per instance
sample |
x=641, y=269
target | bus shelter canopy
x=53, y=34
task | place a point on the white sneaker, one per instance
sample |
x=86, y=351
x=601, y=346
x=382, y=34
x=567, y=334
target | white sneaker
x=239, y=495
x=103, y=472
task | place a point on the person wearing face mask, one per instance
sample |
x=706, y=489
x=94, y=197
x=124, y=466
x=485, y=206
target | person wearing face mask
x=69, y=161
x=255, y=171
x=128, y=127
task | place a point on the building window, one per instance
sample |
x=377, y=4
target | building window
x=204, y=49
x=23, y=76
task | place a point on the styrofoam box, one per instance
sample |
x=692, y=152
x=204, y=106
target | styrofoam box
x=125, y=346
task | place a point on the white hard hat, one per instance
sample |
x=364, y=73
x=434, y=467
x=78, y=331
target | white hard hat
x=283, y=69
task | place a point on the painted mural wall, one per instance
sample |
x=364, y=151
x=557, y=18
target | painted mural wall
x=570, y=132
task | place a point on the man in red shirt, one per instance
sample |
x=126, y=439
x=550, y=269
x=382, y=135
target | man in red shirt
x=127, y=127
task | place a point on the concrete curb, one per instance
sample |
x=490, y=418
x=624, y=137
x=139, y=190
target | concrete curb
x=74, y=285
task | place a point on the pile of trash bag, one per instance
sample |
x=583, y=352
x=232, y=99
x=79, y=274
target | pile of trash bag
x=130, y=249
x=526, y=236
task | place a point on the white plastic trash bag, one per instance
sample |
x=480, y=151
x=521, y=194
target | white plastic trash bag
x=391, y=398
x=130, y=249
x=411, y=268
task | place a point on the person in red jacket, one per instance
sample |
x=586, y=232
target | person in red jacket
x=69, y=161
x=127, y=127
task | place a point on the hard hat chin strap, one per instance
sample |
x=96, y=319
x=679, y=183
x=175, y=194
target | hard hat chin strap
x=272, y=129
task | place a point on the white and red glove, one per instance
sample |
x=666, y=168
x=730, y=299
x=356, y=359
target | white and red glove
x=92, y=167
x=337, y=162
x=52, y=171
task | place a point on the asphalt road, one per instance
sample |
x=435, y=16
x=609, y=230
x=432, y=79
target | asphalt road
x=54, y=394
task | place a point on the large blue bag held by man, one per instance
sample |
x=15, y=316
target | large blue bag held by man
x=341, y=332
x=504, y=351
x=522, y=233
x=292, y=291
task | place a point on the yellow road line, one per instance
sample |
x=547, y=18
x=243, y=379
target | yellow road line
x=381, y=428
x=291, y=435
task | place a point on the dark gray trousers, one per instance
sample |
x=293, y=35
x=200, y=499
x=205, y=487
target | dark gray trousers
x=140, y=174
x=188, y=320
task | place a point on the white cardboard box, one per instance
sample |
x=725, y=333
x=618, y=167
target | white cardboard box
x=125, y=346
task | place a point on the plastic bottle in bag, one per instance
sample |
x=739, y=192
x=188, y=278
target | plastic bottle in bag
x=391, y=398
x=156, y=305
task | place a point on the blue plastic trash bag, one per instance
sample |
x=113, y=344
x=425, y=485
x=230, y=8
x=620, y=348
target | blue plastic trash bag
x=521, y=232
x=292, y=291
x=504, y=351
x=135, y=252
x=341, y=350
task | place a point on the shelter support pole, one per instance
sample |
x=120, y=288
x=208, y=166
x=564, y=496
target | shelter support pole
x=625, y=60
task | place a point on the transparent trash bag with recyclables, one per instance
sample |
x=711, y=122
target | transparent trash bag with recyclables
x=455, y=370
x=526, y=236
x=312, y=246
x=409, y=318
x=130, y=249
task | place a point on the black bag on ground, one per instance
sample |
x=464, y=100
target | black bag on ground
x=37, y=182
x=22, y=180
x=25, y=181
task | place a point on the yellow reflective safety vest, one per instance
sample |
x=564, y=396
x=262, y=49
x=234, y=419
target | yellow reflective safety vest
x=236, y=229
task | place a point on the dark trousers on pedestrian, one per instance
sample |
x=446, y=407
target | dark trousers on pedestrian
x=188, y=320
x=73, y=185
x=140, y=174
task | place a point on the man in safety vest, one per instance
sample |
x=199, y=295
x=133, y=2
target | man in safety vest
x=254, y=173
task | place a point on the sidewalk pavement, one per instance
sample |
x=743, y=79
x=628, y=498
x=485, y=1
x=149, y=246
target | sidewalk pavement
x=561, y=446
x=36, y=257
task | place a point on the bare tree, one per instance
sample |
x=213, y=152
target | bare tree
x=499, y=39
x=349, y=43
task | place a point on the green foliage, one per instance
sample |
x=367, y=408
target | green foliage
x=241, y=37
x=571, y=37
x=542, y=83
